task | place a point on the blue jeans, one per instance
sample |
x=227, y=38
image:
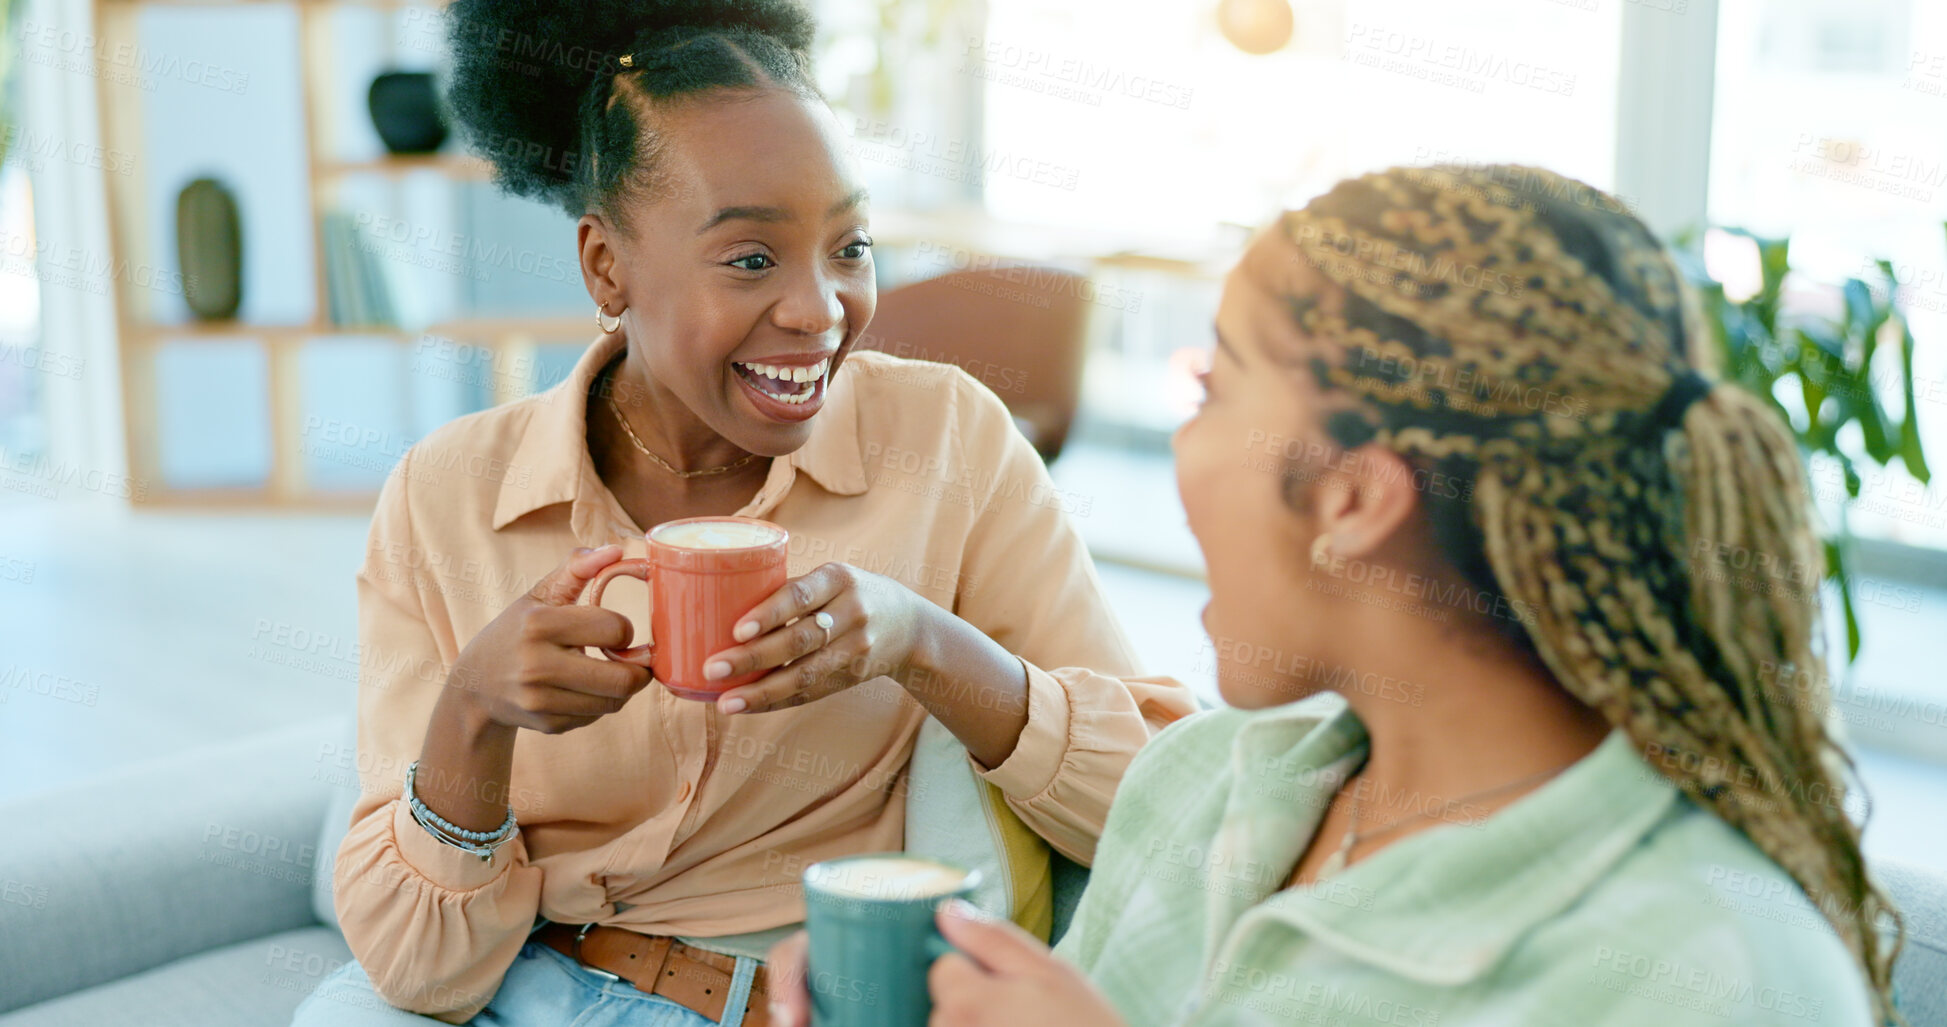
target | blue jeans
x=543, y=987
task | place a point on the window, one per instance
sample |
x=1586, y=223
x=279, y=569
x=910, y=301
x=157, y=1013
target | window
x=24, y=364
x=1828, y=128
x=1139, y=121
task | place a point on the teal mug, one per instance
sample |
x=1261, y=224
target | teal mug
x=873, y=936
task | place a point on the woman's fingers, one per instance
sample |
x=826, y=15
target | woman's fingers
x=785, y=982
x=819, y=674
x=788, y=643
x=999, y=946
x=578, y=627
x=798, y=598
x=594, y=676
x=564, y=584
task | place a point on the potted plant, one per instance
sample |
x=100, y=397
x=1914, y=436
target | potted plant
x=1829, y=367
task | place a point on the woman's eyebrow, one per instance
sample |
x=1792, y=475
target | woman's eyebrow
x=773, y=215
x=857, y=197
x=764, y=214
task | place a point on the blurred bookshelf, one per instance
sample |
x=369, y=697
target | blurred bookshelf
x=256, y=383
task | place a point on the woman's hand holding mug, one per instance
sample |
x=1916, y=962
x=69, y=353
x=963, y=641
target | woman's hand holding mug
x=821, y=633
x=526, y=668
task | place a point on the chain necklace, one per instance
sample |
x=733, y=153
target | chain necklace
x=664, y=464
x=1353, y=836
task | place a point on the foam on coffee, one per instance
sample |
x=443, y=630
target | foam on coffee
x=885, y=878
x=715, y=535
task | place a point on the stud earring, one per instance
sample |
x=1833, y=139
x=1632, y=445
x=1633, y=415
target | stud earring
x=607, y=328
x=1322, y=550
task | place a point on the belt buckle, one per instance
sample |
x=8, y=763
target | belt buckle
x=579, y=935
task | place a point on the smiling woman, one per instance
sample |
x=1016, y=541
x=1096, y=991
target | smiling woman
x=724, y=241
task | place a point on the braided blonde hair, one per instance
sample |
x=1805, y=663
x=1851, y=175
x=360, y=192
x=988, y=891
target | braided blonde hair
x=1521, y=330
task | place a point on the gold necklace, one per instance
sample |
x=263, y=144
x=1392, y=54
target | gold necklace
x=1335, y=863
x=664, y=464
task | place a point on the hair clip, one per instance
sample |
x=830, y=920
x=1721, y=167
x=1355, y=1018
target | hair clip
x=628, y=60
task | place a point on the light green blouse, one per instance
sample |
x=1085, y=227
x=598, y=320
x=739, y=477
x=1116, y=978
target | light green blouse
x=1603, y=897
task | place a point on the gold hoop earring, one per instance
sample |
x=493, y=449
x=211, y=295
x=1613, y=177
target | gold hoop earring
x=1322, y=550
x=601, y=309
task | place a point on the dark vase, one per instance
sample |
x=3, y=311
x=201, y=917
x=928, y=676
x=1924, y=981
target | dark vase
x=405, y=110
x=209, y=248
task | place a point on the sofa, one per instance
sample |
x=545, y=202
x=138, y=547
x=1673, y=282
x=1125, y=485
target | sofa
x=195, y=891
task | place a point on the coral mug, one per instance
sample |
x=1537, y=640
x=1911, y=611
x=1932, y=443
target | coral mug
x=704, y=574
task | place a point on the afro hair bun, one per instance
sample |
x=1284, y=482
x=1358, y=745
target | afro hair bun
x=527, y=74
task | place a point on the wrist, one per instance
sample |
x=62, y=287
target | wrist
x=930, y=642
x=466, y=720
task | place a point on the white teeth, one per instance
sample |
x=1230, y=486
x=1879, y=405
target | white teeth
x=795, y=375
x=788, y=374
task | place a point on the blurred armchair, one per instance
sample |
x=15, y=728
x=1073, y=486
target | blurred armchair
x=1021, y=331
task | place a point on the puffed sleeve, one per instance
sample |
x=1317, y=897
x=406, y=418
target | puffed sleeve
x=1028, y=582
x=435, y=927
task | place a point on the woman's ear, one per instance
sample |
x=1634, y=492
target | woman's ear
x=1364, y=501
x=601, y=270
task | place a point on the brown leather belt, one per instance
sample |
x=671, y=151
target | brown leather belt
x=695, y=978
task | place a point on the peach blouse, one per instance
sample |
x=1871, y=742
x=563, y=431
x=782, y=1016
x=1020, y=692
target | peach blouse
x=666, y=817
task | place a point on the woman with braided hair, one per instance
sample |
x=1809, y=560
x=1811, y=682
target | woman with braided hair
x=541, y=835
x=1508, y=746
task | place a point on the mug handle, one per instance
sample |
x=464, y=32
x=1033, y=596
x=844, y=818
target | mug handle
x=634, y=567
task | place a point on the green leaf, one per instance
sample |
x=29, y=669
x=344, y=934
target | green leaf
x=1836, y=571
x=1910, y=451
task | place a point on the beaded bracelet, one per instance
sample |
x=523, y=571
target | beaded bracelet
x=479, y=843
